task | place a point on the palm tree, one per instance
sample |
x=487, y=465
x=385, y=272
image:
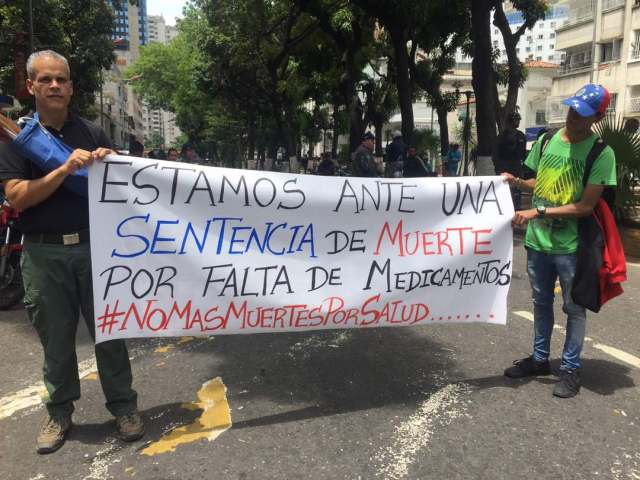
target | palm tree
x=625, y=143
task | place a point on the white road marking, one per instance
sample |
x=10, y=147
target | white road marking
x=103, y=459
x=415, y=433
x=32, y=396
x=612, y=351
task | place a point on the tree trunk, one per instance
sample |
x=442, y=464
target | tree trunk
x=251, y=136
x=405, y=90
x=378, y=124
x=483, y=77
x=336, y=129
x=444, y=129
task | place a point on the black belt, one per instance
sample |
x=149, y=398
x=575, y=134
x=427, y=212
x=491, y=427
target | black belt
x=73, y=238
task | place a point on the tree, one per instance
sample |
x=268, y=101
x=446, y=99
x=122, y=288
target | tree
x=483, y=75
x=351, y=29
x=81, y=30
x=531, y=11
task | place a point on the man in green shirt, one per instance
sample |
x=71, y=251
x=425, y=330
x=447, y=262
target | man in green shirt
x=559, y=199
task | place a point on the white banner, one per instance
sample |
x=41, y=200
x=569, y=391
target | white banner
x=180, y=249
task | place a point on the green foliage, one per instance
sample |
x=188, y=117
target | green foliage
x=154, y=141
x=80, y=30
x=426, y=141
x=626, y=146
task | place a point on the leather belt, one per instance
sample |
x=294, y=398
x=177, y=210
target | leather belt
x=73, y=238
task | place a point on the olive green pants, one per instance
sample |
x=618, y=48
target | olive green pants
x=58, y=285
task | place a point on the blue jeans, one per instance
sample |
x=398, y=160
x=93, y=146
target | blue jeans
x=544, y=269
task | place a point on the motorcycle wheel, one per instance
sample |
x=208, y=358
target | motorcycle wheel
x=11, y=288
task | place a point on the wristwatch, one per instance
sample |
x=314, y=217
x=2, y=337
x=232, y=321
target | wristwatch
x=541, y=209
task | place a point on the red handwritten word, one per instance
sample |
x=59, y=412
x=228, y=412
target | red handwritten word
x=452, y=241
x=331, y=312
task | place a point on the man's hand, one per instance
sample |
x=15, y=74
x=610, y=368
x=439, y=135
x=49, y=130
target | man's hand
x=522, y=217
x=100, y=153
x=510, y=179
x=78, y=159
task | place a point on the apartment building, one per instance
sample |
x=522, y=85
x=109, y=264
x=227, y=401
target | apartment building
x=122, y=112
x=601, y=42
x=537, y=44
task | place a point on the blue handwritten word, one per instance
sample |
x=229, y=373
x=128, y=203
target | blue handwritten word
x=229, y=235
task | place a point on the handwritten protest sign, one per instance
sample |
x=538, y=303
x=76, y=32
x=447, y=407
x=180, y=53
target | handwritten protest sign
x=181, y=249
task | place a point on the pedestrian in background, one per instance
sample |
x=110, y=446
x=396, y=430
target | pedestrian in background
x=415, y=166
x=172, y=155
x=363, y=164
x=453, y=160
x=326, y=166
x=509, y=153
x=396, y=153
x=189, y=154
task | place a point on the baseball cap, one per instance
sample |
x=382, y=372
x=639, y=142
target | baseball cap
x=368, y=136
x=589, y=100
x=396, y=134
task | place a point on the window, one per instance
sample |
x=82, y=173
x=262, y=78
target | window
x=635, y=46
x=553, y=25
x=517, y=50
x=541, y=117
x=539, y=59
x=539, y=48
x=528, y=49
x=552, y=46
x=610, y=51
x=550, y=58
x=540, y=37
x=612, y=105
x=529, y=38
x=552, y=35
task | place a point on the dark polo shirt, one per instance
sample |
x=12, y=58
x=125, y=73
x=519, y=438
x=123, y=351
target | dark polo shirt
x=64, y=211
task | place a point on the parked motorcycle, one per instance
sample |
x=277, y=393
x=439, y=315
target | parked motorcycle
x=11, y=287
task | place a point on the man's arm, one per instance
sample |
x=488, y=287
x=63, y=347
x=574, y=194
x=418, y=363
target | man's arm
x=582, y=208
x=524, y=185
x=23, y=194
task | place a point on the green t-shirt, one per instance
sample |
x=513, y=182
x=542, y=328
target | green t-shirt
x=559, y=182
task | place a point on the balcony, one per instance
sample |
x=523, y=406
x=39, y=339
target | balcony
x=574, y=34
x=574, y=67
x=581, y=14
x=611, y=4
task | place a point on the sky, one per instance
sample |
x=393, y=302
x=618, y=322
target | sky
x=169, y=9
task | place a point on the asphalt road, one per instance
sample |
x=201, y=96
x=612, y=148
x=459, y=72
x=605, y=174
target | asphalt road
x=426, y=402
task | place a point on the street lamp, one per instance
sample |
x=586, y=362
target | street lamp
x=467, y=134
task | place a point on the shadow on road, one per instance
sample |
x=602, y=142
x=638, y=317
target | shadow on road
x=600, y=376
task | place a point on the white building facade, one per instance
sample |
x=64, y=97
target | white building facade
x=601, y=42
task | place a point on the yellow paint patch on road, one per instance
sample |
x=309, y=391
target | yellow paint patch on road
x=130, y=471
x=612, y=351
x=184, y=340
x=214, y=420
x=164, y=349
x=90, y=376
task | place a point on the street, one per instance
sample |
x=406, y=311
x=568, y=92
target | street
x=426, y=402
